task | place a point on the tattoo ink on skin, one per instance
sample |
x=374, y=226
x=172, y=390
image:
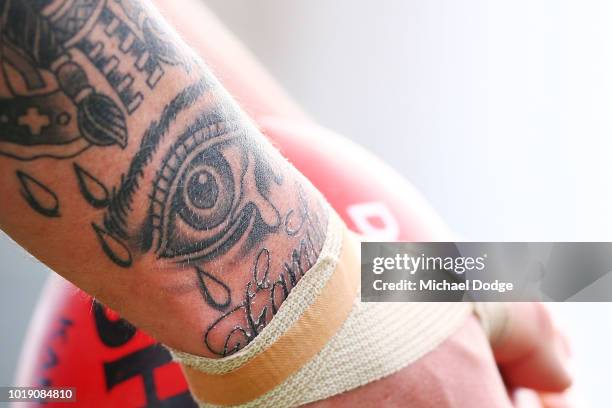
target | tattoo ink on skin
x=56, y=52
x=267, y=289
x=94, y=192
x=116, y=250
x=216, y=293
x=122, y=196
x=199, y=192
x=35, y=38
x=211, y=195
x=40, y=197
x=207, y=195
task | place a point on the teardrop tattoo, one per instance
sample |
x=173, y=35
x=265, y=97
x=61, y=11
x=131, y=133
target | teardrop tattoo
x=113, y=247
x=94, y=192
x=210, y=288
x=40, y=197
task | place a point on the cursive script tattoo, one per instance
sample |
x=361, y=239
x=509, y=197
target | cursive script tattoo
x=267, y=288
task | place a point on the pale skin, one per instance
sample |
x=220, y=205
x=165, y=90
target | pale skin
x=161, y=288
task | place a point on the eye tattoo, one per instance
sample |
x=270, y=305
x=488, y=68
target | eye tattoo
x=207, y=195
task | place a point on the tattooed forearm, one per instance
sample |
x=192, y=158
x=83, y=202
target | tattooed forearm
x=195, y=196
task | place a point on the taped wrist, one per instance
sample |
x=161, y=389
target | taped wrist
x=494, y=319
x=323, y=341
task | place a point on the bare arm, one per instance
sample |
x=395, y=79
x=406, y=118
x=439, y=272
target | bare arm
x=128, y=170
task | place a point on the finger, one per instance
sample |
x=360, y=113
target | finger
x=556, y=400
x=530, y=352
x=526, y=398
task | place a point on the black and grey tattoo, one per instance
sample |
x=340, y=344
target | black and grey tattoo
x=53, y=52
x=268, y=288
x=93, y=190
x=114, y=248
x=210, y=188
x=215, y=293
x=200, y=193
x=209, y=192
x=211, y=195
x=40, y=197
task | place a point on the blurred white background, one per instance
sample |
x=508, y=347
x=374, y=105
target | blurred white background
x=499, y=112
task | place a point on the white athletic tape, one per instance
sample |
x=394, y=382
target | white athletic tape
x=375, y=340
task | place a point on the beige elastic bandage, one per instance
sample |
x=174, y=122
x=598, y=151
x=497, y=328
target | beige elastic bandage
x=323, y=341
